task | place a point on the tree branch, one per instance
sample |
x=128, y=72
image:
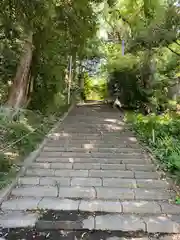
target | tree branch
x=173, y=51
x=124, y=19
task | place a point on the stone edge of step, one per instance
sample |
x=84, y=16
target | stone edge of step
x=4, y=193
x=141, y=207
x=92, y=193
x=103, y=222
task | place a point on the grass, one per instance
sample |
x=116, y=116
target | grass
x=19, y=138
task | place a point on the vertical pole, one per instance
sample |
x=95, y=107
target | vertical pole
x=69, y=82
x=123, y=47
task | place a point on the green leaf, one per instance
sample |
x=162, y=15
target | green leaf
x=177, y=200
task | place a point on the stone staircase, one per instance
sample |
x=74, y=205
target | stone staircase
x=92, y=174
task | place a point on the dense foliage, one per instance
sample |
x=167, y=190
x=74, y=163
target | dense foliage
x=151, y=62
x=55, y=30
x=42, y=46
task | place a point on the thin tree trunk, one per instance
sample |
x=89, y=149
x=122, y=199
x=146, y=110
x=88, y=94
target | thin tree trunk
x=19, y=89
x=69, y=79
x=74, y=72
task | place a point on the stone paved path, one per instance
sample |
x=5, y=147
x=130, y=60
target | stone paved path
x=93, y=163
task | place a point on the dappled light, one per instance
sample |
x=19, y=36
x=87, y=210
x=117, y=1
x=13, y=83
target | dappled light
x=11, y=155
x=56, y=136
x=24, y=121
x=45, y=165
x=114, y=121
x=110, y=127
x=71, y=160
x=88, y=146
x=132, y=139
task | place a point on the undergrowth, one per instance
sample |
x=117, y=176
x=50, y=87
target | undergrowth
x=20, y=137
x=162, y=134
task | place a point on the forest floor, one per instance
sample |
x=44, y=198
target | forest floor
x=19, y=138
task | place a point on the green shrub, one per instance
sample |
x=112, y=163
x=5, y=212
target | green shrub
x=4, y=163
x=166, y=140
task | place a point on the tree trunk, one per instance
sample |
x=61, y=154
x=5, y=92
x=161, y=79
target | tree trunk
x=73, y=77
x=19, y=89
x=74, y=72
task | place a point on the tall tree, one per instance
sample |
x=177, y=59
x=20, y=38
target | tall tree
x=50, y=32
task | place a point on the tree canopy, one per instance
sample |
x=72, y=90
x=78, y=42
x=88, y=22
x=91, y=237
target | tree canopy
x=40, y=38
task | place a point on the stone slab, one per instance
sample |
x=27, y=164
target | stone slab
x=161, y=224
x=117, y=222
x=36, y=191
x=151, y=194
x=100, y=206
x=29, y=180
x=86, y=182
x=71, y=173
x=53, y=181
x=111, y=173
x=86, y=166
x=119, y=183
x=141, y=207
x=58, y=204
x=152, y=183
x=114, y=193
x=24, y=203
x=18, y=219
x=77, y=192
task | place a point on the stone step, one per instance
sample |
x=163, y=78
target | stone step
x=111, y=222
x=94, y=125
x=89, y=144
x=94, y=137
x=79, y=235
x=105, y=130
x=95, y=182
x=100, y=135
x=89, y=124
x=103, y=193
x=96, y=117
x=150, y=224
x=119, y=132
x=92, y=149
x=89, y=166
x=42, y=172
x=55, y=203
x=100, y=120
x=127, y=160
x=92, y=174
x=77, y=140
x=18, y=219
x=92, y=154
